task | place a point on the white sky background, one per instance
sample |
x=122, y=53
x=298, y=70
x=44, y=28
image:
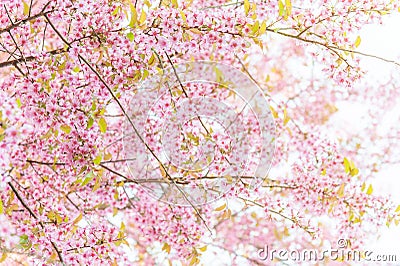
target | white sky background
x=381, y=40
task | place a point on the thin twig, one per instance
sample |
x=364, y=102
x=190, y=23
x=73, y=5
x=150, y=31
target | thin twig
x=34, y=216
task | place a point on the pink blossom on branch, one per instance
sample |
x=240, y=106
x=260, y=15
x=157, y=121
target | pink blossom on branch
x=69, y=71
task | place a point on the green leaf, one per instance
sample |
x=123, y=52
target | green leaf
x=90, y=122
x=65, y=128
x=115, y=12
x=102, y=125
x=397, y=209
x=76, y=69
x=88, y=178
x=97, y=160
x=19, y=104
x=130, y=36
x=23, y=240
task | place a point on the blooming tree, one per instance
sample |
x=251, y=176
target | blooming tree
x=73, y=190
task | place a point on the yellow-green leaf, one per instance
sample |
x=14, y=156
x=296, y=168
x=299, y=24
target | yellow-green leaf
x=274, y=113
x=107, y=156
x=218, y=74
x=194, y=260
x=133, y=21
x=246, y=5
x=397, y=209
x=115, y=11
x=203, y=249
x=281, y=8
x=19, y=104
x=370, y=190
x=88, y=178
x=26, y=8
x=363, y=186
x=97, y=160
x=220, y=208
x=130, y=36
x=346, y=164
x=77, y=219
x=354, y=171
x=90, y=122
x=166, y=248
x=183, y=16
x=286, y=118
x=65, y=128
x=97, y=183
x=255, y=27
x=147, y=3
x=263, y=28
x=3, y=257
x=357, y=42
x=102, y=125
x=142, y=17
x=51, y=215
x=341, y=190
x=1, y=207
x=288, y=7
x=174, y=3
x=229, y=179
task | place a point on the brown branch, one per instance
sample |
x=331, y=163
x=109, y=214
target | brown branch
x=293, y=220
x=44, y=163
x=332, y=48
x=22, y=21
x=30, y=58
